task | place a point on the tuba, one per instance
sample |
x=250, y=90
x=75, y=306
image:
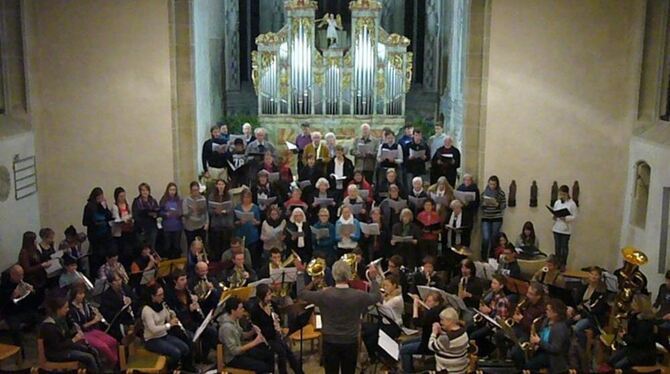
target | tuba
x=350, y=259
x=317, y=270
x=377, y=264
x=631, y=281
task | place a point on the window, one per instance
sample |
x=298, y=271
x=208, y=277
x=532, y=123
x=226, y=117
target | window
x=641, y=194
x=12, y=70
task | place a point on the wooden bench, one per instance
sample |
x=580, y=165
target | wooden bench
x=7, y=351
x=44, y=364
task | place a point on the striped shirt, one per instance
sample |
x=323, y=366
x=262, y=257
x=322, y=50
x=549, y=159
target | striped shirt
x=451, y=351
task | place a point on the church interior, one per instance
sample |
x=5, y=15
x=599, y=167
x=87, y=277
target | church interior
x=559, y=111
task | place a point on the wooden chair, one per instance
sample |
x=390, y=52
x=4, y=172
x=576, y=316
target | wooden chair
x=7, y=351
x=221, y=365
x=44, y=364
x=134, y=358
x=309, y=333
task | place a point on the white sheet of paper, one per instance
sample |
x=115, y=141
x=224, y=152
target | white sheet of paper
x=417, y=154
x=291, y=146
x=319, y=324
x=389, y=154
x=364, y=194
x=370, y=228
x=244, y=216
x=389, y=345
x=203, y=325
x=465, y=197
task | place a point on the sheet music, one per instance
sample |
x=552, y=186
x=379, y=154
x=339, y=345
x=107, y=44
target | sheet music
x=489, y=319
x=389, y=345
x=364, y=194
x=465, y=197
x=417, y=201
x=148, y=276
x=355, y=208
x=304, y=184
x=319, y=324
x=203, y=326
x=323, y=201
x=398, y=205
x=346, y=228
x=417, y=154
x=290, y=275
x=320, y=233
x=370, y=228
x=402, y=239
x=291, y=146
x=264, y=202
x=220, y=148
x=389, y=154
x=364, y=149
x=244, y=216
x=53, y=268
x=219, y=207
x=273, y=177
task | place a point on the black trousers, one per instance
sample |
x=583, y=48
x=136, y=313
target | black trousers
x=340, y=357
x=258, y=359
x=284, y=356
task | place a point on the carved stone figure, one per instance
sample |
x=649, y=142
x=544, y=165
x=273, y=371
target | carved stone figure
x=554, y=193
x=511, y=197
x=575, y=192
x=533, y=195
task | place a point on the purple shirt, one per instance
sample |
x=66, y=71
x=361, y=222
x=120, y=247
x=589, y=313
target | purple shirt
x=171, y=213
x=302, y=140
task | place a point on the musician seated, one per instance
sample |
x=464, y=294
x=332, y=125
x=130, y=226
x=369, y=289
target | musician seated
x=204, y=287
x=528, y=242
x=395, y=267
x=22, y=313
x=90, y=321
x=240, y=274
x=361, y=264
x=146, y=261
x=239, y=351
x=72, y=244
x=157, y=322
x=264, y=315
x=450, y=342
x=508, y=265
x=550, y=340
x=70, y=276
x=62, y=342
x=117, y=305
x=188, y=311
x=639, y=345
x=112, y=266
x=466, y=285
x=390, y=317
x=326, y=280
x=592, y=308
x=550, y=274
x=427, y=276
x=526, y=311
x=236, y=247
x=662, y=305
x=501, y=243
x=432, y=306
x=196, y=253
x=494, y=304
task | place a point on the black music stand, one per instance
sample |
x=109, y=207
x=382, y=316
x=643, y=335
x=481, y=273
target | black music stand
x=299, y=316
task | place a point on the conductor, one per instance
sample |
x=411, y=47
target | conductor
x=341, y=309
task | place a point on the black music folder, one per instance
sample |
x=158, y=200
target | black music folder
x=559, y=213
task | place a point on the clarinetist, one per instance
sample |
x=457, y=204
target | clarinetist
x=239, y=351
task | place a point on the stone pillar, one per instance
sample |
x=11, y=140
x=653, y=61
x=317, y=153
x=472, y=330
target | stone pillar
x=452, y=100
x=432, y=45
x=272, y=16
x=231, y=46
x=393, y=16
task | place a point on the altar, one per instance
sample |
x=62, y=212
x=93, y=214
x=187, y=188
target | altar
x=334, y=87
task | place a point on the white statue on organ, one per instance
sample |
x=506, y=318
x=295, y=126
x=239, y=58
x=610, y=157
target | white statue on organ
x=333, y=24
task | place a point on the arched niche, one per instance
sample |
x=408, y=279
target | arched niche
x=640, y=200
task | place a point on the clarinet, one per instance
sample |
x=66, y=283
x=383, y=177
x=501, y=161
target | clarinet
x=172, y=314
x=129, y=307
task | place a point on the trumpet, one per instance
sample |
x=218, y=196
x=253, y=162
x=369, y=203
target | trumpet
x=24, y=289
x=172, y=314
x=477, y=318
x=520, y=308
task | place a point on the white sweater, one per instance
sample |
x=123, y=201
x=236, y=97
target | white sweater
x=564, y=226
x=155, y=324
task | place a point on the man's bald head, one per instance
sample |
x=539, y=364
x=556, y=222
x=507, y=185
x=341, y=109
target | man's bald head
x=16, y=273
x=201, y=268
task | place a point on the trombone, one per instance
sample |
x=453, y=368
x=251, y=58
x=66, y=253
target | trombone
x=380, y=272
x=89, y=285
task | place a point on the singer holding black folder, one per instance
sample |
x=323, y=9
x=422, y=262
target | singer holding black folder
x=563, y=223
x=341, y=309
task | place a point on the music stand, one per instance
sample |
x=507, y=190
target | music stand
x=299, y=316
x=384, y=341
x=284, y=275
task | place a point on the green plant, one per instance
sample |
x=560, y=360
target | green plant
x=235, y=122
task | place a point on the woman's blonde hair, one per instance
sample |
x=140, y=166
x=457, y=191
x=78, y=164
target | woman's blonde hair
x=449, y=314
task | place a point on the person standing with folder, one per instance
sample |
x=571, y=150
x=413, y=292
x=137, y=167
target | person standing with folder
x=563, y=225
